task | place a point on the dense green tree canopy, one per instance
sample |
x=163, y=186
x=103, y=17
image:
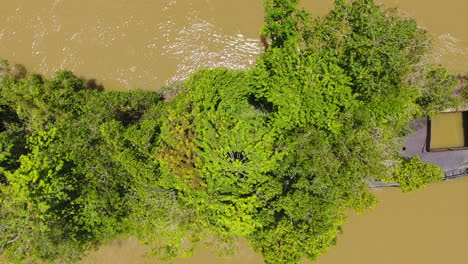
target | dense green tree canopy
x=276, y=154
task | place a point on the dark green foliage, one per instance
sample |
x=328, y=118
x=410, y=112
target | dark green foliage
x=277, y=154
x=12, y=131
x=12, y=140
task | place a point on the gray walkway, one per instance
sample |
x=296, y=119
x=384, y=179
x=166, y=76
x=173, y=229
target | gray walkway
x=447, y=160
x=454, y=162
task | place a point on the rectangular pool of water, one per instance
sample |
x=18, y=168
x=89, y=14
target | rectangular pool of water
x=447, y=131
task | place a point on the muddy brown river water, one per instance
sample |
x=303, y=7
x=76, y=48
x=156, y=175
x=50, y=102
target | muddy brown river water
x=128, y=44
x=429, y=226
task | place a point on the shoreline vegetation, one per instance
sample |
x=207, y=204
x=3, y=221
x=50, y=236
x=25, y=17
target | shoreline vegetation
x=276, y=154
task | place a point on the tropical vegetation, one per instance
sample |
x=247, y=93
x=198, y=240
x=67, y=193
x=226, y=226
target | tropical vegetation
x=276, y=154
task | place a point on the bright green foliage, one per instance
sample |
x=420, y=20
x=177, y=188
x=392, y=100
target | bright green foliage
x=232, y=147
x=377, y=50
x=437, y=93
x=301, y=89
x=276, y=154
x=156, y=214
x=413, y=174
x=338, y=106
x=73, y=186
x=282, y=22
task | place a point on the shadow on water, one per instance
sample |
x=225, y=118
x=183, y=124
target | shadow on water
x=17, y=71
x=91, y=84
x=265, y=42
x=171, y=90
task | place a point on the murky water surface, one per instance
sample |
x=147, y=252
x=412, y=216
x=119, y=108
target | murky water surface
x=429, y=226
x=425, y=227
x=127, y=44
x=447, y=131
